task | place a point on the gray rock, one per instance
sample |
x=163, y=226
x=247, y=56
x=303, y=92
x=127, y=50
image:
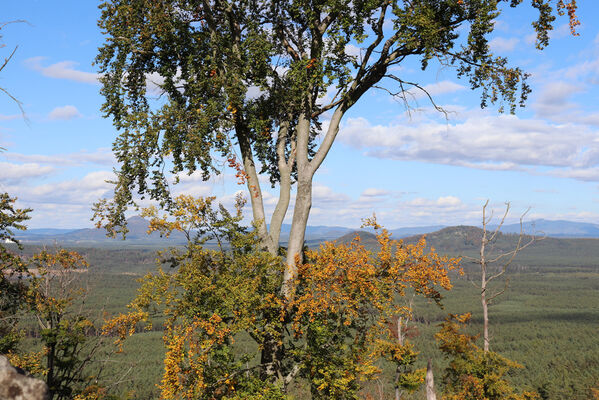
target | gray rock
x=15, y=385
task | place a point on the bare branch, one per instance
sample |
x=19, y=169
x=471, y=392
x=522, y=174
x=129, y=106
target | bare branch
x=507, y=210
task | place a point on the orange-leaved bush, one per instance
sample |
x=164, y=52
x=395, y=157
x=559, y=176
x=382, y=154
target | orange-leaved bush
x=347, y=297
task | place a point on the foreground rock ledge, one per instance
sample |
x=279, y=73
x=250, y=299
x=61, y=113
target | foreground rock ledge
x=14, y=385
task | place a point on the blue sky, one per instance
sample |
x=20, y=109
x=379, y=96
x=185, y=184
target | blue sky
x=416, y=169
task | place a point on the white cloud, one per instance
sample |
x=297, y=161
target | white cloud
x=353, y=50
x=501, y=44
x=435, y=89
x=486, y=142
x=373, y=192
x=554, y=99
x=449, y=201
x=101, y=156
x=581, y=70
x=531, y=38
x=64, y=113
x=324, y=194
x=84, y=191
x=62, y=70
x=441, y=202
x=13, y=173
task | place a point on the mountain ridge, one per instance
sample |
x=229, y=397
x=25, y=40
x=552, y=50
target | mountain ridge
x=314, y=233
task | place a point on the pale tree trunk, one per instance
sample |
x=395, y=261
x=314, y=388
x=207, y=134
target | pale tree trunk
x=253, y=184
x=400, y=339
x=430, y=382
x=303, y=201
x=483, y=285
x=284, y=167
x=301, y=209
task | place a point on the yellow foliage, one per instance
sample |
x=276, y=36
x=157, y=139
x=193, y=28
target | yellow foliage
x=30, y=362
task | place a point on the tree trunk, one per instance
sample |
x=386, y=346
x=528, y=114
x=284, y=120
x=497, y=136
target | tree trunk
x=485, y=305
x=483, y=288
x=301, y=212
x=430, y=381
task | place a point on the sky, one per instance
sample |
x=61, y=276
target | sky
x=411, y=169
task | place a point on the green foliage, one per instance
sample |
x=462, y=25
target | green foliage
x=209, y=297
x=206, y=60
x=332, y=334
x=63, y=331
x=40, y=291
x=474, y=374
x=13, y=273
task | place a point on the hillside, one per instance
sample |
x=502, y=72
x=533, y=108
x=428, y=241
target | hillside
x=465, y=241
x=137, y=235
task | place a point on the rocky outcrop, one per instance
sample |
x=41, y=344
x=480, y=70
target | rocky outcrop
x=15, y=385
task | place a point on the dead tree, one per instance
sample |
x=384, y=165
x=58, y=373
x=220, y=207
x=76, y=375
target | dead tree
x=494, y=264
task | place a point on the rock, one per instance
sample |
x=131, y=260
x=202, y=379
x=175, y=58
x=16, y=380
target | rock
x=14, y=385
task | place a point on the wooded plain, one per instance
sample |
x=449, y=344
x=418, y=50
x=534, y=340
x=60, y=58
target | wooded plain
x=546, y=321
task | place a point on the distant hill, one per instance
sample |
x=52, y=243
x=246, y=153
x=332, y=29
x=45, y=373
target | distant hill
x=137, y=234
x=460, y=237
x=368, y=239
x=318, y=232
x=48, y=231
x=455, y=238
x=416, y=230
x=558, y=228
x=466, y=240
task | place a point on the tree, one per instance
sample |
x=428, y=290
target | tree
x=13, y=273
x=189, y=82
x=494, y=262
x=334, y=332
x=64, y=331
x=474, y=374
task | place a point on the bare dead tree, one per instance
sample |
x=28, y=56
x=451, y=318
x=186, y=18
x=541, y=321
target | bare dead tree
x=494, y=264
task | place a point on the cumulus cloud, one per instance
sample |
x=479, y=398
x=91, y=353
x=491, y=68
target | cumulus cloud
x=589, y=67
x=101, y=156
x=487, y=142
x=82, y=191
x=353, y=50
x=64, y=113
x=62, y=70
x=434, y=89
x=442, y=202
x=373, y=192
x=554, y=99
x=324, y=194
x=501, y=44
x=14, y=173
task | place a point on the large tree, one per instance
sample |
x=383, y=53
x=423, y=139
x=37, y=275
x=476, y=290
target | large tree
x=192, y=83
